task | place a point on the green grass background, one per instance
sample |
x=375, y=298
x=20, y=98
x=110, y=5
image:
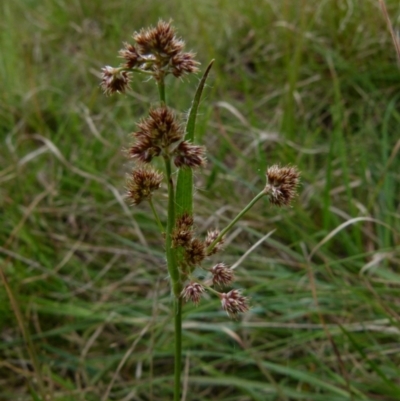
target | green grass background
x=311, y=83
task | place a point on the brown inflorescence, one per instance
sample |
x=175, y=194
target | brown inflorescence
x=282, y=183
x=163, y=51
x=131, y=56
x=188, y=155
x=195, y=252
x=142, y=183
x=114, y=80
x=192, y=292
x=158, y=133
x=234, y=303
x=183, y=231
x=222, y=275
x=211, y=237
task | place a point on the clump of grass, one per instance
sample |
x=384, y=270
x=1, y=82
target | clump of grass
x=158, y=52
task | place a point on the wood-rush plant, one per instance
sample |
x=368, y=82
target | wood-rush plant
x=158, y=52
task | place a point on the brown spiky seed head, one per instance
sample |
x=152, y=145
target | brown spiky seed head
x=157, y=133
x=130, y=55
x=222, y=274
x=192, y=292
x=162, y=51
x=182, y=233
x=195, y=252
x=162, y=127
x=188, y=155
x=234, y=303
x=142, y=183
x=160, y=40
x=282, y=183
x=114, y=80
x=184, y=63
x=143, y=150
x=211, y=237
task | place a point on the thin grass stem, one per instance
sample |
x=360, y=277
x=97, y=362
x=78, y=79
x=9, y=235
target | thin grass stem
x=235, y=220
x=160, y=226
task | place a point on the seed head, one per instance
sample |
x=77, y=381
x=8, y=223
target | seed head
x=184, y=63
x=222, y=274
x=189, y=155
x=192, y=292
x=234, y=303
x=195, y=252
x=211, y=237
x=114, y=80
x=182, y=234
x=131, y=56
x=157, y=133
x=163, y=51
x=142, y=183
x=282, y=183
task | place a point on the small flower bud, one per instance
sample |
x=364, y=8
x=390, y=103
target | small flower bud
x=234, y=303
x=114, y=80
x=142, y=183
x=211, y=237
x=192, y=292
x=282, y=184
x=222, y=274
x=189, y=155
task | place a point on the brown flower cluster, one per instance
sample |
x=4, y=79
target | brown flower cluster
x=142, y=183
x=183, y=231
x=160, y=133
x=192, y=292
x=193, y=255
x=211, y=237
x=114, y=80
x=157, y=51
x=234, y=303
x=222, y=275
x=282, y=183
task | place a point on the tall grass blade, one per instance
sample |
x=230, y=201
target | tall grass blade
x=184, y=186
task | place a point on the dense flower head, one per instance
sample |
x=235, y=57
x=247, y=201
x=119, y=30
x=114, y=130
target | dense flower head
x=131, y=56
x=142, y=183
x=195, y=252
x=211, y=237
x=114, y=80
x=159, y=132
x=282, y=183
x=159, y=40
x=234, y=303
x=188, y=155
x=163, y=52
x=183, y=63
x=183, y=231
x=192, y=292
x=222, y=274
x=156, y=52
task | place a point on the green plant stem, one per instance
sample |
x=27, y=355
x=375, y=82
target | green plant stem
x=173, y=269
x=160, y=226
x=175, y=281
x=178, y=347
x=171, y=252
x=161, y=91
x=235, y=220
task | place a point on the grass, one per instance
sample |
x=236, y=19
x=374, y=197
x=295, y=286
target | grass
x=311, y=83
